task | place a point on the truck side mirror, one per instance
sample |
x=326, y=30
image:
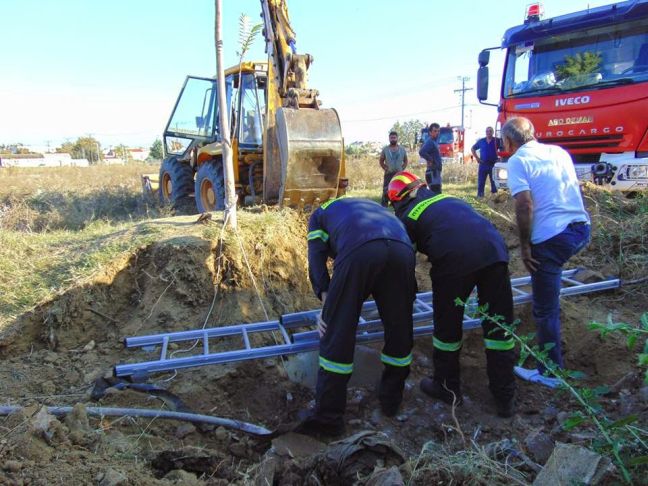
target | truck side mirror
x=200, y=122
x=484, y=58
x=482, y=83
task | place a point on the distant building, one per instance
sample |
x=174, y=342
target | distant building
x=140, y=154
x=41, y=160
x=110, y=158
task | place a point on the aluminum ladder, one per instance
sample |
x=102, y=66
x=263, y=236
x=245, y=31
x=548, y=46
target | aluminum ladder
x=298, y=331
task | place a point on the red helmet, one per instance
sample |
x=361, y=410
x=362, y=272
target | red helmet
x=402, y=184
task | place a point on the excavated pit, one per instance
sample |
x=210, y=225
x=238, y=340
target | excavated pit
x=54, y=354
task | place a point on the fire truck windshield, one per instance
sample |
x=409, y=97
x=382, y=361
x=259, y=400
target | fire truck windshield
x=602, y=57
x=445, y=136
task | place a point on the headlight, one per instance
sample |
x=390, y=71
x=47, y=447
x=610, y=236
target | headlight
x=638, y=172
x=502, y=174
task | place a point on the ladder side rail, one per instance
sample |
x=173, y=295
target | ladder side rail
x=155, y=339
x=128, y=369
x=590, y=287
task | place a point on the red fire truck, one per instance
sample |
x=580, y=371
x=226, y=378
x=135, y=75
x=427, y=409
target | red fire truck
x=450, y=140
x=582, y=79
x=451, y=143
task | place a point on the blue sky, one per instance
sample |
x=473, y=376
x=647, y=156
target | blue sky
x=113, y=69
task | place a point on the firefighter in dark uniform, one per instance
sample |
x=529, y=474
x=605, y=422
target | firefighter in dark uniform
x=372, y=256
x=465, y=251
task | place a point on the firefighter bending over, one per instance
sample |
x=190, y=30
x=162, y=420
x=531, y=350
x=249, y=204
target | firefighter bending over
x=465, y=250
x=372, y=255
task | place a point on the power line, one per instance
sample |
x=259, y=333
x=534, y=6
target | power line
x=463, y=93
x=391, y=117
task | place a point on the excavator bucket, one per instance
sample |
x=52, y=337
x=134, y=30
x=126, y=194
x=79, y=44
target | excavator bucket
x=311, y=151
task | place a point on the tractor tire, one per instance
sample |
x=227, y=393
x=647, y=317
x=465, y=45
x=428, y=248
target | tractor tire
x=210, y=187
x=176, y=181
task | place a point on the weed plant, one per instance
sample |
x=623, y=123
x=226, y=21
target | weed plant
x=624, y=439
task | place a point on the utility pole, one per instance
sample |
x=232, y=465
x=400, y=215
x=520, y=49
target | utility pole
x=228, y=163
x=463, y=90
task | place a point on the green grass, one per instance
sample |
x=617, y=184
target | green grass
x=36, y=266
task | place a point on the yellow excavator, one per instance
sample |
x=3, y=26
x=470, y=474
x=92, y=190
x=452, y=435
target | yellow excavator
x=286, y=149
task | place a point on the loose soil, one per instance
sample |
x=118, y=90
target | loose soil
x=55, y=353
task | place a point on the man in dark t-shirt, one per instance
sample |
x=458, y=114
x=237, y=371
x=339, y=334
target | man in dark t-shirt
x=393, y=158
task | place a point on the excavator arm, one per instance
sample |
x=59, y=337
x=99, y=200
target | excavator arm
x=303, y=145
x=291, y=68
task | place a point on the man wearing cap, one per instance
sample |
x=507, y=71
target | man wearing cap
x=553, y=226
x=465, y=251
x=372, y=255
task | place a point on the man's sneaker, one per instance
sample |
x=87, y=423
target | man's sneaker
x=436, y=390
x=534, y=376
x=505, y=408
x=316, y=428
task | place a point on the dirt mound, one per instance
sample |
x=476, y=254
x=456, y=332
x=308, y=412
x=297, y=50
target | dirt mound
x=56, y=353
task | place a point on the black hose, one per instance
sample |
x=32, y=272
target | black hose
x=162, y=414
x=635, y=281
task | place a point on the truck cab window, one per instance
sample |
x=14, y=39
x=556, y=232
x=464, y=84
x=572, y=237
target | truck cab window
x=605, y=56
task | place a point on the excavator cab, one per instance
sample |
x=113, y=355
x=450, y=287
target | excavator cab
x=301, y=164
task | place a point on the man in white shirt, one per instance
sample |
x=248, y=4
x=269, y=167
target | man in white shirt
x=553, y=226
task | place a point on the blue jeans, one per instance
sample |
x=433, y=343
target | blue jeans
x=485, y=170
x=552, y=254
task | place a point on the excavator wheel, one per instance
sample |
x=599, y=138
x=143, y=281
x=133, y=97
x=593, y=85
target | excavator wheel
x=210, y=187
x=176, y=181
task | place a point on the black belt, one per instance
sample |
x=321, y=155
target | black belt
x=577, y=223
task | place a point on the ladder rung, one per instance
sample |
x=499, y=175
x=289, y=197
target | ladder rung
x=369, y=330
x=165, y=346
x=141, y=341
x=284, y=333
x=246, y=339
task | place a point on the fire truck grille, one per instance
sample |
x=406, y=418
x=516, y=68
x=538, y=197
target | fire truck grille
x=590, y=142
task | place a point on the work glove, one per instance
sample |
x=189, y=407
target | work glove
x=321, y=325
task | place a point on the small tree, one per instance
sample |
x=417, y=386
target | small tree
x=123, y=153
x=408, y=132
x=65, y=148
x=156, y=152
x=84, y=148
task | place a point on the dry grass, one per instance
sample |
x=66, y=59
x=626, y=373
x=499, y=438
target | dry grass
x=22, y=182
x=49, y=199
x=366, y=176
x=619, y=232
x=493, y=464
x=58, y=226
